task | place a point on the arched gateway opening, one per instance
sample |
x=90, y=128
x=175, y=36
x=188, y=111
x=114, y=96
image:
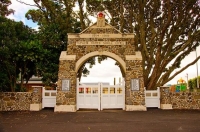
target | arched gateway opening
x=100, y=39
x=100, y=94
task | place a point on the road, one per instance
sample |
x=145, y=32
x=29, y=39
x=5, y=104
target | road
x=153, y=120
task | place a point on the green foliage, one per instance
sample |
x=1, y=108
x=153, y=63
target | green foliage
x=20, y=51
x=55, y=20
x=193, y=83
x=4, y=11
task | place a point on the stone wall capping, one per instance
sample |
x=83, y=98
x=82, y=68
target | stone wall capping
x=137, y=56
x=64, y=56
x=101, y=36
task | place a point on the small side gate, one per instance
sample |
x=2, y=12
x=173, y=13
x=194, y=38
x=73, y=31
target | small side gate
x=100, y=96
x=48, y=98
x=152, y=98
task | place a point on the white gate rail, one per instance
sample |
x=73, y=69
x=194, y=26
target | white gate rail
x=152, y=98
x=48, y=98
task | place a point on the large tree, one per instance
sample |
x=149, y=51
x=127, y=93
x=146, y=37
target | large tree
x=56, y=19
x=28, y=56
x=166, y=31
x=20, y=50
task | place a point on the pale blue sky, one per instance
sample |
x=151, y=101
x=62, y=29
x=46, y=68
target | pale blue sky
x=106, y=71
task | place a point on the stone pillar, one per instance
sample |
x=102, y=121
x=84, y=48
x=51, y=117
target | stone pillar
x=165, y=98
x=135, y=99
x=36, y=103
x=66, y=99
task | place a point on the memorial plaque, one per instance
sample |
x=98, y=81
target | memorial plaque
x=65, y=85
x=135, y=84
x=35, y=90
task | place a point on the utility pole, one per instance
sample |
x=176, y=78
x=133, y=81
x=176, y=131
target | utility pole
x=187, y=81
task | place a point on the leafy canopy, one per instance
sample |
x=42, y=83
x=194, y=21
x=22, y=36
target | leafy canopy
x=165, y=31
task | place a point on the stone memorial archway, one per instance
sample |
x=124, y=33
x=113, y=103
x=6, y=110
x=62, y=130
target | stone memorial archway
x=100, y=39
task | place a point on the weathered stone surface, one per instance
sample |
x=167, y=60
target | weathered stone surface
x=15, y=101
x=197, y=97
x=181, y=100
x=182, y=97
x=6, y=99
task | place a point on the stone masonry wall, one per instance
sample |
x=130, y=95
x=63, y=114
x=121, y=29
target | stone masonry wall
x=180, y=100
x=134, y=70
x=66, y=70
x=17, y=101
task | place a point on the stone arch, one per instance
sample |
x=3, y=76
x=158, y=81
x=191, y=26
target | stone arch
x=82, y=60
x=94, y=41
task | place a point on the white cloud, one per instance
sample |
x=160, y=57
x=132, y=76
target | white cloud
x=20, y=11
x=104, y=72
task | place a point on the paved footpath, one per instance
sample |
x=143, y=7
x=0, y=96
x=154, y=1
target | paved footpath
x=153, y=120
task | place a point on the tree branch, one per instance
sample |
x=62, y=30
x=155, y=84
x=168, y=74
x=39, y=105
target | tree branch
x=25, y=3
x=190, y=64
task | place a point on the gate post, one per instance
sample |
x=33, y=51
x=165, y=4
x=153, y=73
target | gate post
x=36, y=102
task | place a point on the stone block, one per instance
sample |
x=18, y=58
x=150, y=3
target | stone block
x=135, y=103
x=6, y=99
x=129, y=102
x=197, y=97
x=136, y=108
x=12, y=98
x=35, y=107
x=69, y=95
x=182, y=97
x=65, y=108
x=166, y=106
x=9, y=103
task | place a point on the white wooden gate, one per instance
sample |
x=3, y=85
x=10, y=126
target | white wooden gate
x=48, y=98
x=112, y=96
x=88, y=96
x=152, y=98
x=100, y=96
